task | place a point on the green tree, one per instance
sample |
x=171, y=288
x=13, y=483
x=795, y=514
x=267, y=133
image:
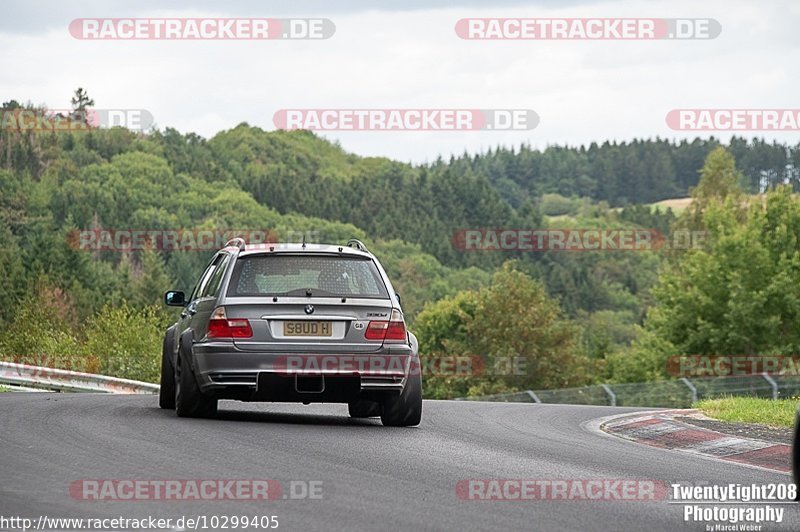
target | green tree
x=80, y=102
x=738, y=296
x=126, y=341
x=513, y=328
x=152, y=281
x=719, y=182
x=42, y=332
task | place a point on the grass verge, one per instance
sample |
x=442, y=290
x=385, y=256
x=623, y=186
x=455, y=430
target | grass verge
x=774, y=413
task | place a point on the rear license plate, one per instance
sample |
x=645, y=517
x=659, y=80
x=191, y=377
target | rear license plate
x=307, y=328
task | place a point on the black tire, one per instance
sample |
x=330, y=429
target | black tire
x=404, y=410
x=189, y=400
x=363, y=408
x=166, y=394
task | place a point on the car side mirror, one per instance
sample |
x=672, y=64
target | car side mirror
x=175, y=298
x=398, y=298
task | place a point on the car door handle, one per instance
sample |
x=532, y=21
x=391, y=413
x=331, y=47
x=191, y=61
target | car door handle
x=190, y=311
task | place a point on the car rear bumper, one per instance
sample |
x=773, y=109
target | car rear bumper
x=229, y=372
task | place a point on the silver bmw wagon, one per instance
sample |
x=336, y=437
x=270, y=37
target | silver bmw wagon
x=292, y=323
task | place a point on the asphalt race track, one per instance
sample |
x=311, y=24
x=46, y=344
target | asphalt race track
x=373, y=478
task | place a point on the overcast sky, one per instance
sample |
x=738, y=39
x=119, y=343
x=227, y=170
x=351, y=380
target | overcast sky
x=407, y=55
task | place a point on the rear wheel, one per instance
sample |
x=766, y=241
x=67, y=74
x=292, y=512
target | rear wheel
x=363, y=408
x=404, y=410
x=189, y=400
x=166, y=393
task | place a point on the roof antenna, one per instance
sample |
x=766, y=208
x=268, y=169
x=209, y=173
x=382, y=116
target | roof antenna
x=304, y=240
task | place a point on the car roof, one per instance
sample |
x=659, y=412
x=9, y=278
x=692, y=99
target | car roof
x=256, y=249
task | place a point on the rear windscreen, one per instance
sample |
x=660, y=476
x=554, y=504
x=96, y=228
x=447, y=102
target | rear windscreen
x=299, y=275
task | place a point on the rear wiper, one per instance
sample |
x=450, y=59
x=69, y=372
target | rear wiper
x=309, y=293
x=298, y=292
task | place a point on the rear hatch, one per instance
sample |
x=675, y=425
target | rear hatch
x=307, y=302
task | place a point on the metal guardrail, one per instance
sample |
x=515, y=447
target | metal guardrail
x=42, y=378
x=677, y=393
x=15, y=388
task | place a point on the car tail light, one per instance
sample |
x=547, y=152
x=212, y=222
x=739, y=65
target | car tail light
x=376, y=330
x=219, y=326
x=394, y=329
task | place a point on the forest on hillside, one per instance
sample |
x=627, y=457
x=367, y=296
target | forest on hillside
x=579, y=317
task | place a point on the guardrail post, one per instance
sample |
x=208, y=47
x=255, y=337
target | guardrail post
x=691, y=387
x=772, y=383
x=610, y=393
x=533, y=396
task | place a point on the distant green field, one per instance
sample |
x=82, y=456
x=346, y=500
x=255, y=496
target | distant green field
x=560, y=218
x=775, y=413
x=678, y=205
